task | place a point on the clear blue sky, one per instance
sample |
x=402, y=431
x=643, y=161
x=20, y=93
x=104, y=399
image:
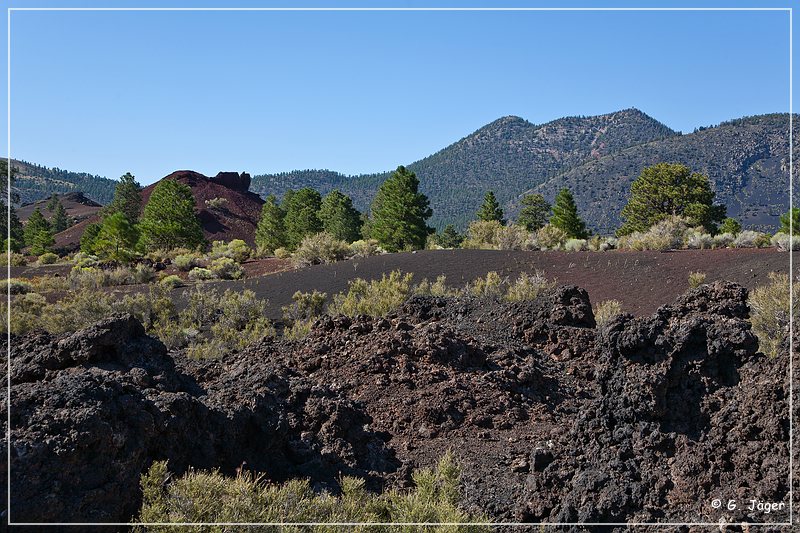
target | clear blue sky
x=152, y=92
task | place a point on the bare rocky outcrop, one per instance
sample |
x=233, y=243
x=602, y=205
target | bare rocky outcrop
x=551, y=418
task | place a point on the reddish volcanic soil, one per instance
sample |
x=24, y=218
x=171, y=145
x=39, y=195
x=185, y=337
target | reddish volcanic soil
x=641, y=281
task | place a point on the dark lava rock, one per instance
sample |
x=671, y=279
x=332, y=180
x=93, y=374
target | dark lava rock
x=551, y=419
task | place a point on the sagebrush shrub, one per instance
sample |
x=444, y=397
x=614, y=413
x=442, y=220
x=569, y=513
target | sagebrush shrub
x=512, y=237
x=782, y=242
x=373, y=298
x=172, y=281
x=201, y=496
x=668, y=234
x=282, y=253
x=13, y=260
x=366, y=248
x=438, y=288
x=576, y=245
x=482, y=235
x=606, y=310
x=305, y=305
x=15, y=286
x=236, y=249
x=751, y=239
x=696, y=279
x=201, y=274
x=723, y=240
x=26, y=312
x=143, y=273
x=187, y=261
x=226, y=268
x=528, y=287
x=550, y=237
x=47, y=258
x=769, y=312
x=320, y=248
x=697, y=239
x=492, y=286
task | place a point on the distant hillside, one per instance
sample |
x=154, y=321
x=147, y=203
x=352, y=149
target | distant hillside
x=35, y=182
x=76, y=204
x=747, y=161
x=508, y=156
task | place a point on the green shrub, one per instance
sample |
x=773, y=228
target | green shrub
x=45, y=284
x=81, y=259
x=209, y=349
x=576, y=245
x=216, y=204
x=697, y=239
x=320, y=248
x=171, y=282
x=48, y=258
x=696, y=279
x=298, y=330
x=550, y=237
x=26, y=312
x=282, y=253
x=77, y=310
x=730, y=225
x=482, y=235
x=606, y=310
x=305, y=305
x=781, y=242
x=492, y=286
x=241, y=320
x=528, y=287
x=438, y=288
x=15, y=286
x=751, y=239
x=769, y=312
x=668, y=234
x=226, y=268
x=201, y=274
x=153, y=309
x=143, y=273
x=722, y=240
x=14, y=260
x=200, y=496
x=366, y=248
x=514, y=237
x=236, y=249
x=187, y=261
x=373, y=298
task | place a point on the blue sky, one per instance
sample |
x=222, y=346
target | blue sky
x=152, y=92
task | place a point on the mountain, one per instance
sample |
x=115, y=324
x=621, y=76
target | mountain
x=747, y=161
x=35, y=182
x=76, y=204
x=508, y=156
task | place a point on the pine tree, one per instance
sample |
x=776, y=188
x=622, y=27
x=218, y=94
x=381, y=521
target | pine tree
x=127, y=198
x=15, y=231
x=36, y=224
x=271, y=232
x=535, y=212
x=399, y=212
x=666, y=190
x=791, y=218
x=51, y=204
x=88, y=238
x=116, y=238
x=565, y=216
x=490, y=209
x=60, y=220
x=169, y=220
x=302, y=216
x=449, y=237
x=339, y=217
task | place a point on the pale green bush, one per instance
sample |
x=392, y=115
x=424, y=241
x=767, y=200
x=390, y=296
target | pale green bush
x=667, y=234
x=143, y=273
x=697, y=239
x=366, y=248
x=606, y=310
x=26, y=312
x=550, y=237
x=305, y=305
x=751, y=239
x=282, y=253
x=723, y=240
x=200, y=496
x=492, y=286
x=15, y=286
x=226, y=268
x=769, y=312
x=81, y=259
x=171, y=282
x=438, y=288
x=236, y=249
x=696, y=279
x=782, y=243
x=241, y=320
x=482, y=235
x=373, y=298
x=512, y=237
x=576, y=245
x=201, y=274
x=528, y=287
x=15, y=259
x=216, y=204
x=187, y=261
x=320, y=248
x=47, y=258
